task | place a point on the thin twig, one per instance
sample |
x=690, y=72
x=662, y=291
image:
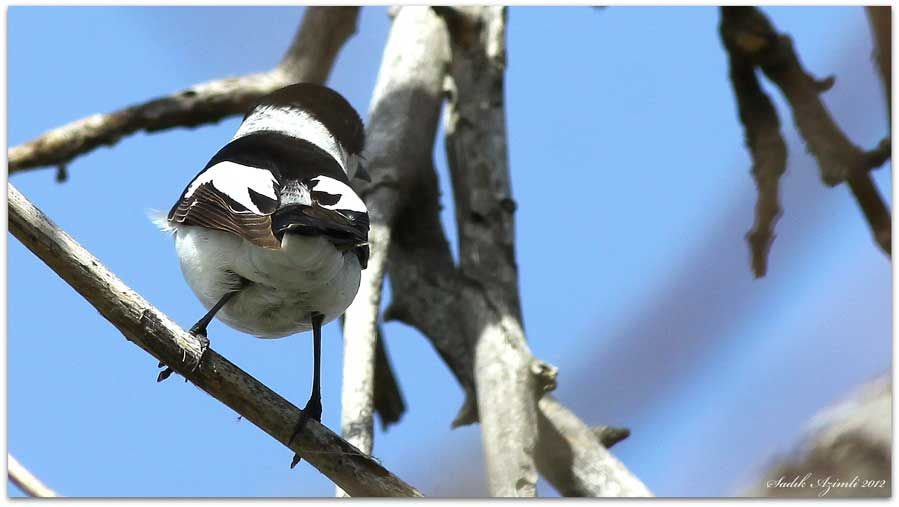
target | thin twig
x=839, y=160
x=25, y=480
x=320, y=37
x=761, y=127
x=140, y=322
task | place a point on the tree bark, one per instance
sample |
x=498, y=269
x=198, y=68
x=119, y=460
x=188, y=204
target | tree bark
x=25, y=480
x=153, y=331
x=400, y=139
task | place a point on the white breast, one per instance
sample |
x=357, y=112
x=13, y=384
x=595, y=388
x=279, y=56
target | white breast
x=308, y=274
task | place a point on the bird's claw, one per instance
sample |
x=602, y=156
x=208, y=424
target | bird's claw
x=200, y=334
x=312, y=410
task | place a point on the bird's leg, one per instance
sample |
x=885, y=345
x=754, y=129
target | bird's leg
x=199, y=330
x=313, y=408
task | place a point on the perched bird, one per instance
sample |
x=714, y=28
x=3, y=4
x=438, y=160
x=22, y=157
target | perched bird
x=270, y=235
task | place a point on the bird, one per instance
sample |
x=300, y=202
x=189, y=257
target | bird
x=270, y=235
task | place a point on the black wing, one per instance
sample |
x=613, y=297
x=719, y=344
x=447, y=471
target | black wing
x=245, y=197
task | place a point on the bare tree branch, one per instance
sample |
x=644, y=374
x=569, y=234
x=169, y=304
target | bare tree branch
x=25, y=480
x=507, y=389
x=389, y=403
x=321, y=35
x=453, y=308
x=153, y=331
x=575, y=462
x=880, y=19
x=400, y=138
x=761, y=127
x=748, y=29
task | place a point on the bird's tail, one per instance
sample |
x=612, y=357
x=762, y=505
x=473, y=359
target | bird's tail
x=161, y=220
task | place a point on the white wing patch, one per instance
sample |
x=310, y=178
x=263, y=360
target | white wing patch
x=294, y=123
x=348, y=198
x=235, y=180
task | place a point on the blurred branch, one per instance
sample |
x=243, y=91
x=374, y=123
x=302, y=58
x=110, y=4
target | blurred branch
x=321, y=35
x=471, y=313
x=153, y=331
x=761, y=127
x=25, y=480
x=880, y=19
x=400, y=138
x=389, y=404
x=749, y=30
x=850, y=440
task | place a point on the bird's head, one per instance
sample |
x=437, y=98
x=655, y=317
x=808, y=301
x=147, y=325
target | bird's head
x=316, y=114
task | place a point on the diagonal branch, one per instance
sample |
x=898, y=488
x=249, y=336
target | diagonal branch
x=321, y=35
x=153, y=331
x=839, y=160
x=761, y=127
x=404, y=113
x=25, y=480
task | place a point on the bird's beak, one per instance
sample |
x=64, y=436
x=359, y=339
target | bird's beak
x=362, y=173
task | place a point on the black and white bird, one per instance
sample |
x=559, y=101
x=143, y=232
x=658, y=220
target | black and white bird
x=270, y=235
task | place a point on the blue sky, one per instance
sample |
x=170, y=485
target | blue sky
x=637, y=284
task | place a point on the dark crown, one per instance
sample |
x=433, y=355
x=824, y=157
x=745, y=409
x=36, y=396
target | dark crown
x=325, y=105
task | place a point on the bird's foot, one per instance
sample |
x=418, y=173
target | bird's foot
x=164, y=374
x=200, y=334
x=312, y=410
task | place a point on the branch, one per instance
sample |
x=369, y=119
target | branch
x=880, y=19
x=430, y=296
x=322, y=33
x=761, y=127
x=507, y=390
x=153, y=331
x=400, y=138
x=25, y=480
x=452, y=307
x=839, y=160
x=389, y=404
x=575, y=461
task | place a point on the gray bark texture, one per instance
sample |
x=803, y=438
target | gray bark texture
x=148, y=328
x=471, y=313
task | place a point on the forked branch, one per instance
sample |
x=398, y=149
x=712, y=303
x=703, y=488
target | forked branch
x=471, y=313
x=746, y=31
